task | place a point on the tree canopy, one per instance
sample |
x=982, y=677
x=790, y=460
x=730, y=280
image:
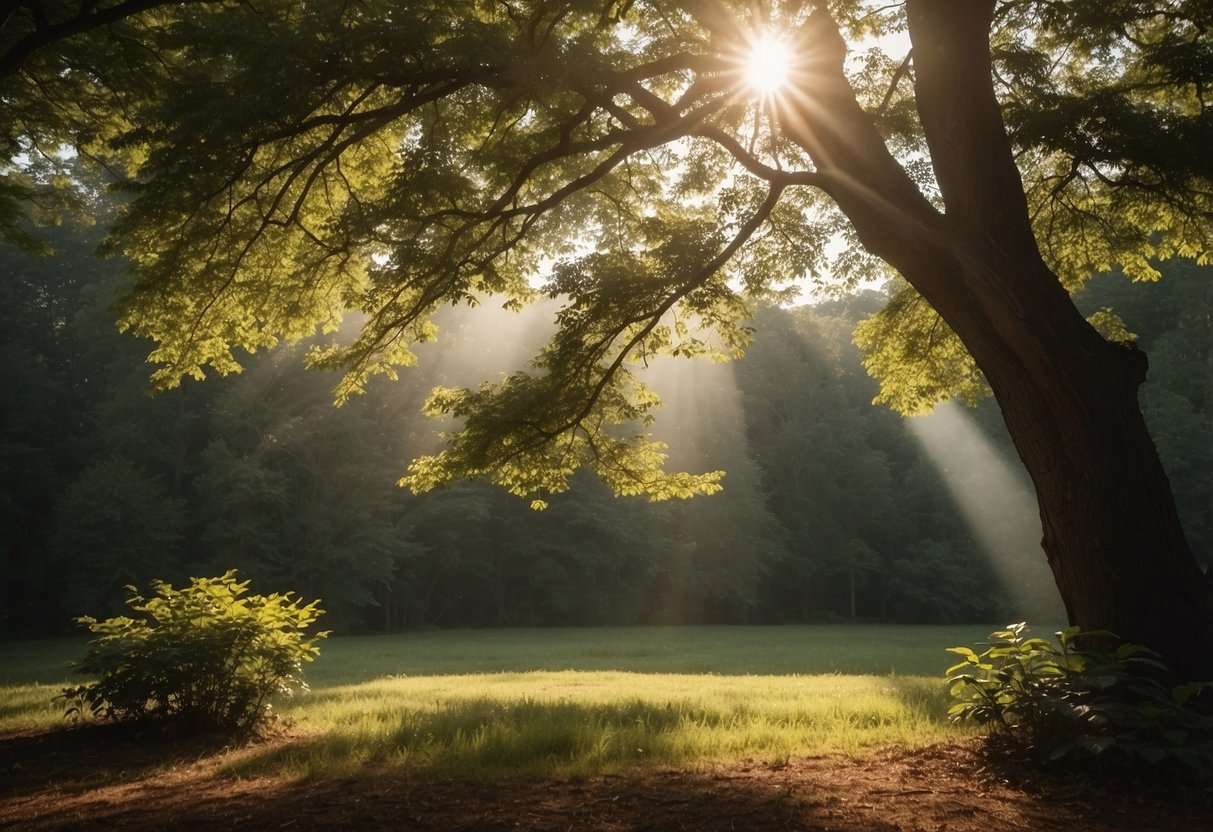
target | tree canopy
x=387, y=160
x=390, y=159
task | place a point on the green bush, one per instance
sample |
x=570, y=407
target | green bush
x=200, y=659
x=1070, y=702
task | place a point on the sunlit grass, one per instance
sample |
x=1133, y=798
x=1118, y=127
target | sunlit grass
x=482, y=704
x=580, y=723
x=26, y=707
x=32, y=674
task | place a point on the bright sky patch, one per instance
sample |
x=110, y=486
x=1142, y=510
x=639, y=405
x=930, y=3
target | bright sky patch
x=768, y=64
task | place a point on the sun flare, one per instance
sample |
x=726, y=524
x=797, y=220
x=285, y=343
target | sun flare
x=768, y=64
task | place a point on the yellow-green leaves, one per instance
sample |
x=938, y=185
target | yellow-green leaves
x=202, y=658
x=917, y=357
x=1108, y=324
x=1107, y=105
x=530, y=433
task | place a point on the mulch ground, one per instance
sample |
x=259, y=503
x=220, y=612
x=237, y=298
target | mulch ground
x=94, y=779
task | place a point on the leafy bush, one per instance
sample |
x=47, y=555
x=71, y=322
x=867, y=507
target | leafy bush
x=1066, y=702
x=203, y=658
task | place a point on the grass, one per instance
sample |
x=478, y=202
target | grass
x=577, y=723
x=478, y=704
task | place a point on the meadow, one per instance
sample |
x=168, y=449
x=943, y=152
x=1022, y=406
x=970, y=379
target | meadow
x=574, y=702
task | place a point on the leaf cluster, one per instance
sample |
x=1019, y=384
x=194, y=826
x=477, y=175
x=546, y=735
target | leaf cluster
x=203, y=658
x=918, y=359
x=1108, y=106
x=1078, y=700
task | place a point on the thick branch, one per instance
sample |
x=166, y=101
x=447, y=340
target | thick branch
x=854, y=166
x=46, y=34
x=962, y=121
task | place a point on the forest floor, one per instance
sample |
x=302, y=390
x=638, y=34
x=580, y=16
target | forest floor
x=99, y=779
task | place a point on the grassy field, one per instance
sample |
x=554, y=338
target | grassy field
x=576, y=701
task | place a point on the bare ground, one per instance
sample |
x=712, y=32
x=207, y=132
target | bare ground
x=98, y=779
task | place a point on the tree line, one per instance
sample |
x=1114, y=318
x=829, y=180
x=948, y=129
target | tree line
x=831, y=509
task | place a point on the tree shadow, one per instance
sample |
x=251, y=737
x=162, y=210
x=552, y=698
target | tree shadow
x=391, y=800
x=482, y=739
x=91, y=755
x=934, y=788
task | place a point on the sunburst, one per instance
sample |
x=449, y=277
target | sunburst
x=768, y=65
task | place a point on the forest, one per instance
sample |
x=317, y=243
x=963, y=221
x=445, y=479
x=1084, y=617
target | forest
x=833, y=510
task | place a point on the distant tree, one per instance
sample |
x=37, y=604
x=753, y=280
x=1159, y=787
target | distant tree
x=293, y=492
x=449, y=569
x=44, y=442
x=113, y=527
x=790, y=395
x=616, y=547
x=939, y=582
x=828, y=481
x=34, y=416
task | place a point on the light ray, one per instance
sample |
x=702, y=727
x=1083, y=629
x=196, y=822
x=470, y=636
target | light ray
x=996, y=504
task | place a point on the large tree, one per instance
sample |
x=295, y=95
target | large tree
x=294, y=160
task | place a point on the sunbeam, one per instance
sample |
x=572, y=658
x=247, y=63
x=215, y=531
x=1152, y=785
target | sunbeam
x=997, y=506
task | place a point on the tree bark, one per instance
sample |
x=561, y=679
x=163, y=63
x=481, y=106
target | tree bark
x=1111, y=531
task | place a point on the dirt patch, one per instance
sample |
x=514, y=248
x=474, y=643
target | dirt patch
x=67, y=780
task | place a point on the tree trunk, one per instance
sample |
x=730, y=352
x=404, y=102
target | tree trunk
x=1111, y=531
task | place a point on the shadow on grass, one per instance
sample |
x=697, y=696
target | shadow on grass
x=12, y=710
x=485, y=738
x=938, y=787
x=91, y=755
x=388, y=800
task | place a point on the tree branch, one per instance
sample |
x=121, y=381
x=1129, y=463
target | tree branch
x=46, y=34
x=654, y=317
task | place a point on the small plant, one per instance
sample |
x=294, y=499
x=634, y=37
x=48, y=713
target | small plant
x=1065, y=701
x=204, y=658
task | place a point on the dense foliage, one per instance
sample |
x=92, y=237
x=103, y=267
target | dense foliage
x=1077, y=700
x=831, y=509
x=204, y=658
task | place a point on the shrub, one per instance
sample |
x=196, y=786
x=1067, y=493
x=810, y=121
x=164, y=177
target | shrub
x=1071, y=702
x=199, y=659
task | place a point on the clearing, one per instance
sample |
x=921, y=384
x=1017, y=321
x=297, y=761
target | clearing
x=640, y=728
